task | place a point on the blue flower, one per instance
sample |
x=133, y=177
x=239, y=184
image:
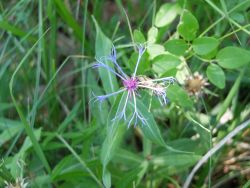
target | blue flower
x=131, y=85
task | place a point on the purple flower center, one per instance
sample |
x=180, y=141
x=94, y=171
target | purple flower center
x=130, y=84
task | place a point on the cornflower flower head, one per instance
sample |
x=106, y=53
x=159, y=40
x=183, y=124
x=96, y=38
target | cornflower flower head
x=132, y=84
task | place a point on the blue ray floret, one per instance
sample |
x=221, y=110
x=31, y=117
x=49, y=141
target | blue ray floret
x=131, y=85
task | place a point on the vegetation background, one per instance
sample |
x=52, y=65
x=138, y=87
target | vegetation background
x=53, y=134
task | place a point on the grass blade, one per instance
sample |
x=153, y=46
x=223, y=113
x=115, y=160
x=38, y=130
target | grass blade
x=27, y=127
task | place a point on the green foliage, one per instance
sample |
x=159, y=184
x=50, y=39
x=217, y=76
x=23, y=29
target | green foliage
x=176, y=46
x=150, y=129
x=179, y=96
x=216, y=75
x=115, y=133
x=166, y=14
x=165, y=62
x=103, y=47
x=138, y=36
x=233, y=57
x=188, y=26
x=152, y=35
x=205, y=45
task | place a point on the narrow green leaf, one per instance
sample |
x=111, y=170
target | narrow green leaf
x=176, y=46
x=81, y=161
x=16, y=31
x=68, y=18
x=233, y=91
x=103, y=47
x=25, y=123
x=205, y=45
x=69, y=117
x=188, y=26
x=165, y=62
x=233, y=57
x=166, y=14
x=216, y=75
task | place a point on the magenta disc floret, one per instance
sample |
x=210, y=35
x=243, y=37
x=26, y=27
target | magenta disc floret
x=130, y=84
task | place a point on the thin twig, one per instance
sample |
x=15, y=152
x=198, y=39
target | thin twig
x=213, y=150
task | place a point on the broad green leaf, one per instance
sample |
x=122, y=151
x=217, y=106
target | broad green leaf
x=179, y=96
x=184, y=144
x=173, y=163
x=166, y=14
x=188, y=26
x=205, y=45
x=233, y=57
x=216, y=75
x=155, y=50
x=211, y=55
x=134, y=175
x=94, y=108
x=115, y=132
x=165, y=62
x=139, y=37
x=176, y=46
x=171, y=72
x=144, y=65
x=175, y=159
x=103, y=46
x=127, y=157
x=106, y=178
x=150, y=128
x=152, y=35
